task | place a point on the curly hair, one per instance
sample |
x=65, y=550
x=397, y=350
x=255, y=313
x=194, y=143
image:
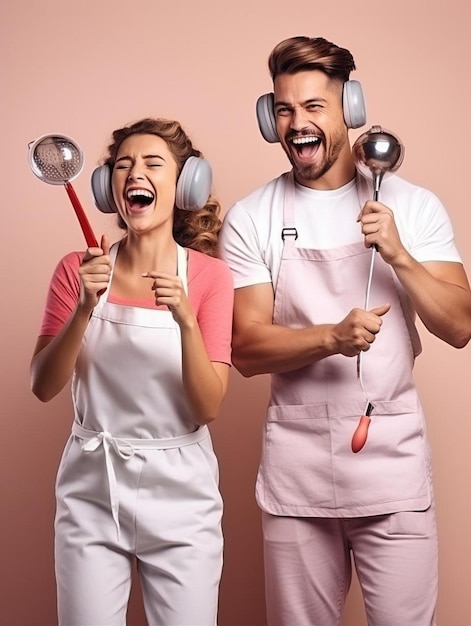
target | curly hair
x=191, y=229
x=298, y=54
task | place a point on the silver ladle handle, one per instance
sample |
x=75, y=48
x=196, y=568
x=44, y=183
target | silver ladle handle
x=376, y=153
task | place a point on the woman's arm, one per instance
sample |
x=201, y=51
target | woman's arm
x=54, y=357
x=204, y=380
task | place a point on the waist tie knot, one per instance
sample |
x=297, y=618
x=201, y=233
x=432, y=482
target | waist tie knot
x=125, y=449
x=122, y=449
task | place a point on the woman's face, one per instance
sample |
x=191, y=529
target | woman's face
x=144, y=182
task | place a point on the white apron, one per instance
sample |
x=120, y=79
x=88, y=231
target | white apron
x=137, y=476
x=308, y=467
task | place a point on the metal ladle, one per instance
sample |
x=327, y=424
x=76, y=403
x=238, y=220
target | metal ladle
x=376, y=153
x=57, y=160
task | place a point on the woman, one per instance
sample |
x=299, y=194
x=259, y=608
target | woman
x=143, y=328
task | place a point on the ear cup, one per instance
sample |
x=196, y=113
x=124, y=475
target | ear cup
x=193, y=186
x=266, y=118
x=354, y=110
x=101, y=190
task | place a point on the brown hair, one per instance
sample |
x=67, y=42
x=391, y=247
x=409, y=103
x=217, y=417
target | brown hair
x=191, y=229
x=298, y=54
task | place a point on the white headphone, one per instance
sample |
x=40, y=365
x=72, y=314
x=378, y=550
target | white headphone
x=354, y=110
x=193, y=186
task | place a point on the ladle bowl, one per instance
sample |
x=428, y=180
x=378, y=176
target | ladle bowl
x=376, y=153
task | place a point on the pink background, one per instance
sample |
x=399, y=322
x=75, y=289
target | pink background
x=85, y=68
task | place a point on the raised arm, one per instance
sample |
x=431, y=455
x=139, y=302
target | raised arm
x=54, y=357
x=439, y=290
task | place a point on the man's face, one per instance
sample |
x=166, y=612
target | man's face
x=310, y=124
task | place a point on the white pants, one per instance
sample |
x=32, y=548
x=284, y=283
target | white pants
x=94, y=586
x=308, y=568
x=170, y=522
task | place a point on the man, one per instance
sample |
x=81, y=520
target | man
x=300, y=250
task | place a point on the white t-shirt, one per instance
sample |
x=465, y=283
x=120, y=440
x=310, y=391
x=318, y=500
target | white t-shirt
x=251, y=241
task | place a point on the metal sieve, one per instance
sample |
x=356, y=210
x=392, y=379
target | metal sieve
x=57, y=160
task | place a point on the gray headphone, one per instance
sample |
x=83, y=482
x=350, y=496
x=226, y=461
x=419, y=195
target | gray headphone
x=354, y=110
x=193, y=186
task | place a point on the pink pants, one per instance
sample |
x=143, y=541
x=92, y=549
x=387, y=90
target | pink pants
x=308, y=568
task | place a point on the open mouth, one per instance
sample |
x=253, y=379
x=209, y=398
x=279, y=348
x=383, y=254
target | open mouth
x=139, y=199
x=305, y=146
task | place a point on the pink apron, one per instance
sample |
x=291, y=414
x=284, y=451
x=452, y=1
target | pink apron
x=307, y=466
x=137, y=477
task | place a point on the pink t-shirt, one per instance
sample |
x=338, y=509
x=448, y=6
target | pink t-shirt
x=210, y=292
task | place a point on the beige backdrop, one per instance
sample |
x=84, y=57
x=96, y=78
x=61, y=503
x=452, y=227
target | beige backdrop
x=85, y=68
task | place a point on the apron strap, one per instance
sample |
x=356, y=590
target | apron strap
x=364, y=191
x=289, y=234
x=182, y=271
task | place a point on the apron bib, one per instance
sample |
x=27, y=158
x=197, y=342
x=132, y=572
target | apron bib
x=130, y=407
x=307, y=466
x=128, y=375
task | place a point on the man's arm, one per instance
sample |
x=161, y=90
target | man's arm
x=441, y=296
x=261, y=347
x=439, y=290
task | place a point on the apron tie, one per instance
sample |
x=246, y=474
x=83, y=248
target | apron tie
x=123, y=449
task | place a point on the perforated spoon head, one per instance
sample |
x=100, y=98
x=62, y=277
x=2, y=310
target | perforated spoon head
x=55, y=159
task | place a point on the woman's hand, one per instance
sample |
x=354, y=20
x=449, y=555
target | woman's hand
x=168, y=290
x=94, y=273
